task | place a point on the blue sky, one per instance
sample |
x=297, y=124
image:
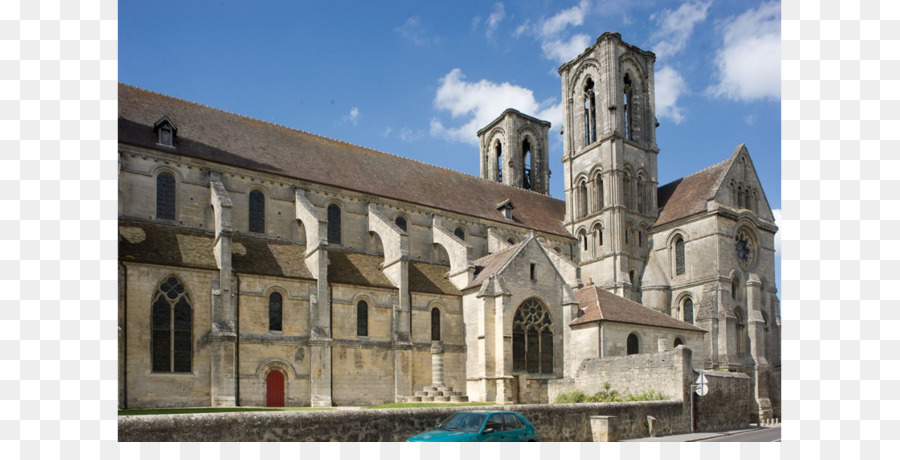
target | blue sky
x=418, y=79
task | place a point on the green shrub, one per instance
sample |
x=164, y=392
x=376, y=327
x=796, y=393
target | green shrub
x=607, y=395
x=576, y=396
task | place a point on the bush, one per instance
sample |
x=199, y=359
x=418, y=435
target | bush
x=607, y=395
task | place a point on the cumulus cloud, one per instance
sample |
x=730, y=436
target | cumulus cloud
x=669, y=87
x=480, y=102
x=556, y=44
x=493, y=21
x=353, y=116
x=674, y=27
x=414, y=31
x=749, y=62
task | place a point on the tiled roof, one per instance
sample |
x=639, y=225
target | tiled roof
x=688, y=195
x=222, y=137
x=183, y=247
x=356, y=268
x=600, y=305
x=491, y=263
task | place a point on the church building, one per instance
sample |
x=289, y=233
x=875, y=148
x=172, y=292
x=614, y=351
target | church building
x=260, y=265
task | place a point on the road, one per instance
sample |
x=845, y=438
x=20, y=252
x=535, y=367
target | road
x=764, y=435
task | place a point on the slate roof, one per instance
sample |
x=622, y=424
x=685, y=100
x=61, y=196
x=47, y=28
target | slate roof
x=365, y=270
x=600, y=305
x=222, y=137
x=688, y=195
x=491, y=263
x=162, y=244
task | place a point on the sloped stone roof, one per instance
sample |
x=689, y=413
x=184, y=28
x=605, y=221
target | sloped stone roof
x=600, y=305
x=356, y=268
x=688, y=195
x=222, y=137
x=430, y=279
x=162, y=244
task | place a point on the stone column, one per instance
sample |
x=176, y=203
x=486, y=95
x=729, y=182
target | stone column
x=222, y=334
x=437, y=364
x=756, y=330
x=603, y=428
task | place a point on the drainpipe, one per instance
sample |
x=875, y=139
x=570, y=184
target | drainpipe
x=237, y=340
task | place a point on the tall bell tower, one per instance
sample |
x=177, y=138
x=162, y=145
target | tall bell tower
x=609, y=161
x=514, y=150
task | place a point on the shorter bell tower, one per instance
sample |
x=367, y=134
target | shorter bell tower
x=514, y=150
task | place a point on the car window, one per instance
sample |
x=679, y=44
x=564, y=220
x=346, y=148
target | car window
x=495, y=422
x=512, y=422
x=462, y=421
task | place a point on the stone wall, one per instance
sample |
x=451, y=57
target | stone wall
x=554, y=423
x=728, y=404
x=661, y=372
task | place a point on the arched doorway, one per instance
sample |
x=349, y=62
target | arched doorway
x=275, y=389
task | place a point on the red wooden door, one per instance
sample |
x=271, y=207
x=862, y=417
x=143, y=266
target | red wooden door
x=275, y=389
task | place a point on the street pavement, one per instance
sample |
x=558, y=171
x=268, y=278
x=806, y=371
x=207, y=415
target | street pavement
x=751, y=434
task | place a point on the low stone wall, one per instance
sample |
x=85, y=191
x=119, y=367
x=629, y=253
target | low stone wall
x=727, y=404
x=554, y=423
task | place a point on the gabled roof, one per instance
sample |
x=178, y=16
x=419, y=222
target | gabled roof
x=688, y=195
x=491, y=264
x=222, y=137
x=600, y=305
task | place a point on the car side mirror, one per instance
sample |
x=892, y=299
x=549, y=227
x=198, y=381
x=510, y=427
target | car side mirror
x=489, y=430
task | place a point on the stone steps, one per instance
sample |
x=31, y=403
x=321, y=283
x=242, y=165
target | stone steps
x=439, y=393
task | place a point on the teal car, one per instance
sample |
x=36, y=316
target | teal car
x=480, y=426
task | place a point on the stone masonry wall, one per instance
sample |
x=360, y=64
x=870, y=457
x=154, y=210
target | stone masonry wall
x=660, y=372
x=554, y=423
x=728, y=404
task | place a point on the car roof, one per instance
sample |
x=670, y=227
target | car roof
x=487, y=412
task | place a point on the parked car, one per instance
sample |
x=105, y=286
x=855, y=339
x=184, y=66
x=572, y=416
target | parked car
x=480, y=426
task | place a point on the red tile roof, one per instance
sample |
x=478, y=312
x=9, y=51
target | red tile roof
x=600, y=305
x=222, y=137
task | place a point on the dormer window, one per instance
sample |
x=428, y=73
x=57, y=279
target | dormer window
x=165, y=130
x=506, y=208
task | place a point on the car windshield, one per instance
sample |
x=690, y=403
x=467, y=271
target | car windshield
x=463, y=421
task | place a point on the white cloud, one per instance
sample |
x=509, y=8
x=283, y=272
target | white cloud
x=414, y=31
x=493, y=21
x=675, y=27
x=749, y=62
x=669, y=86
x=565, y=50
x=353, y=116
x=556, y=44
x=481, y=102
x=777, y=214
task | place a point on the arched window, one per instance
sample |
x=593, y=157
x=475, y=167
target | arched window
x=628, y=99
x=334, y=224
x=499, y=153
x=460, y=233
x=678, y=341
x=598, y=194
x=687, y=311
x=362, y=318
x=629, y=193
x=582, y=238
x=632, y=347
x=582, y=199
x=527, y=158
x=590, y=113
x=275, y=311
x=598, y=240
x=165, y=196
x=171, y=318
x=739, y=332
x=257, y=212
x=631, y=277
x=765, y=319
x=736, y=289
x=532, y=339
x=400, y=221
x=640, y=194
x=679, y=256
x=435, y=324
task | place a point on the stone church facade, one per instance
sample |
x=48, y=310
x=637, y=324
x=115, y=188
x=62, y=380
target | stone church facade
x=261, y=265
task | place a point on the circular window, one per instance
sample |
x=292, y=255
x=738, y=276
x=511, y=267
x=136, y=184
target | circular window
x=745, y=249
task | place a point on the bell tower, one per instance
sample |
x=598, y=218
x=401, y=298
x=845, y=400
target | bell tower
x=609, y=160
x=514, y=150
